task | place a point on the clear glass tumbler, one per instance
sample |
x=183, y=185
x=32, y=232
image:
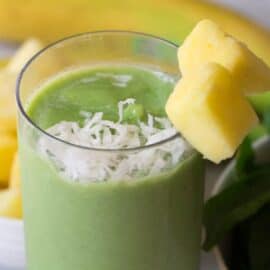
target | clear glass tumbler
x=148, y=223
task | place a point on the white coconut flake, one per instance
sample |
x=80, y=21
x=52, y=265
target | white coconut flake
x=164, y=77
x=121, y=105
x=120, y=80
x=84, y=165
x=89, y=80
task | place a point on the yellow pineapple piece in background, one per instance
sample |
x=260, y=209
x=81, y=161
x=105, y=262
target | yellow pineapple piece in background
x=15, y=179
x=8, y=147
x=208, y=109
x=23, y=54
x=40, y=70
x=11, y=203
x=8, y=77
x=10, y=198
x=8, y=112
x=209, y=43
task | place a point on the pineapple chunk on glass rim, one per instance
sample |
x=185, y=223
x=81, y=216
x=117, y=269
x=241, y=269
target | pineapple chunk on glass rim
x=209, y=43
x=211, y=113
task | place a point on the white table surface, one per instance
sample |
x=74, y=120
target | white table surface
x=12, y=256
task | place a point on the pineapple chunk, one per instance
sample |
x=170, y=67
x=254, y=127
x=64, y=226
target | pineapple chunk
x=208, y=43
x=210, y=112
x=23, y=54
x=11, y=203
x=15, y=179
x=8, y=147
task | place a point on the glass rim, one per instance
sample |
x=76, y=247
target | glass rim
x=34, y=125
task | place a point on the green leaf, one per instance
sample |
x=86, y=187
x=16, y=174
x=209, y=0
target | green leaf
x=235, y=204
x=239, y=249
x=266, y=120
x=257, y=132
x=245, y=158
x=260, y=102
x=259, y=240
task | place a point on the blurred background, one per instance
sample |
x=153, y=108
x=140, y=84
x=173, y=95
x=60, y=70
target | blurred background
x=256, y=10
x=172, y=19
x=49, y=20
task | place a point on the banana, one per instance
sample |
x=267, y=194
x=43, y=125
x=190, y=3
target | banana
x=172, y=19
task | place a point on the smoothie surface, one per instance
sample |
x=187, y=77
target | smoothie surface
x=99, y=89
x=107, y=107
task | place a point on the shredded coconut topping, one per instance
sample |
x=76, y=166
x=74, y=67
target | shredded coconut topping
x=84, y=165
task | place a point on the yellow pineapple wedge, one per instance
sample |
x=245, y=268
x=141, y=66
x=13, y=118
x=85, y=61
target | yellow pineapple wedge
x=23, y=54
x=11, y=203
x=8, y=147
x=8, y=113
x=10, y=198
x=8, y=77
x=15, y=179
x=211, y=112
x=209, y=43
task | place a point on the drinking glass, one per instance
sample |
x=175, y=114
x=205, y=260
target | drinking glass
x=140, y=223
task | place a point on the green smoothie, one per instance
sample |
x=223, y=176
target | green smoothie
x=99, y=90
x=150, y=223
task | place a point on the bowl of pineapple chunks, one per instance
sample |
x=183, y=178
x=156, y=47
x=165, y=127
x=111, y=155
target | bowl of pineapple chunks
x=10, y=189
x=11, y=225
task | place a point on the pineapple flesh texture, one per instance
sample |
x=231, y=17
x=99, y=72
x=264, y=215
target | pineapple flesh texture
x=209, y=43
x=8, y=147
x=8, y=77
x=210, y=112
x=11, y=203
x=15, y=179
x=8, y=114
x=24, y=54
